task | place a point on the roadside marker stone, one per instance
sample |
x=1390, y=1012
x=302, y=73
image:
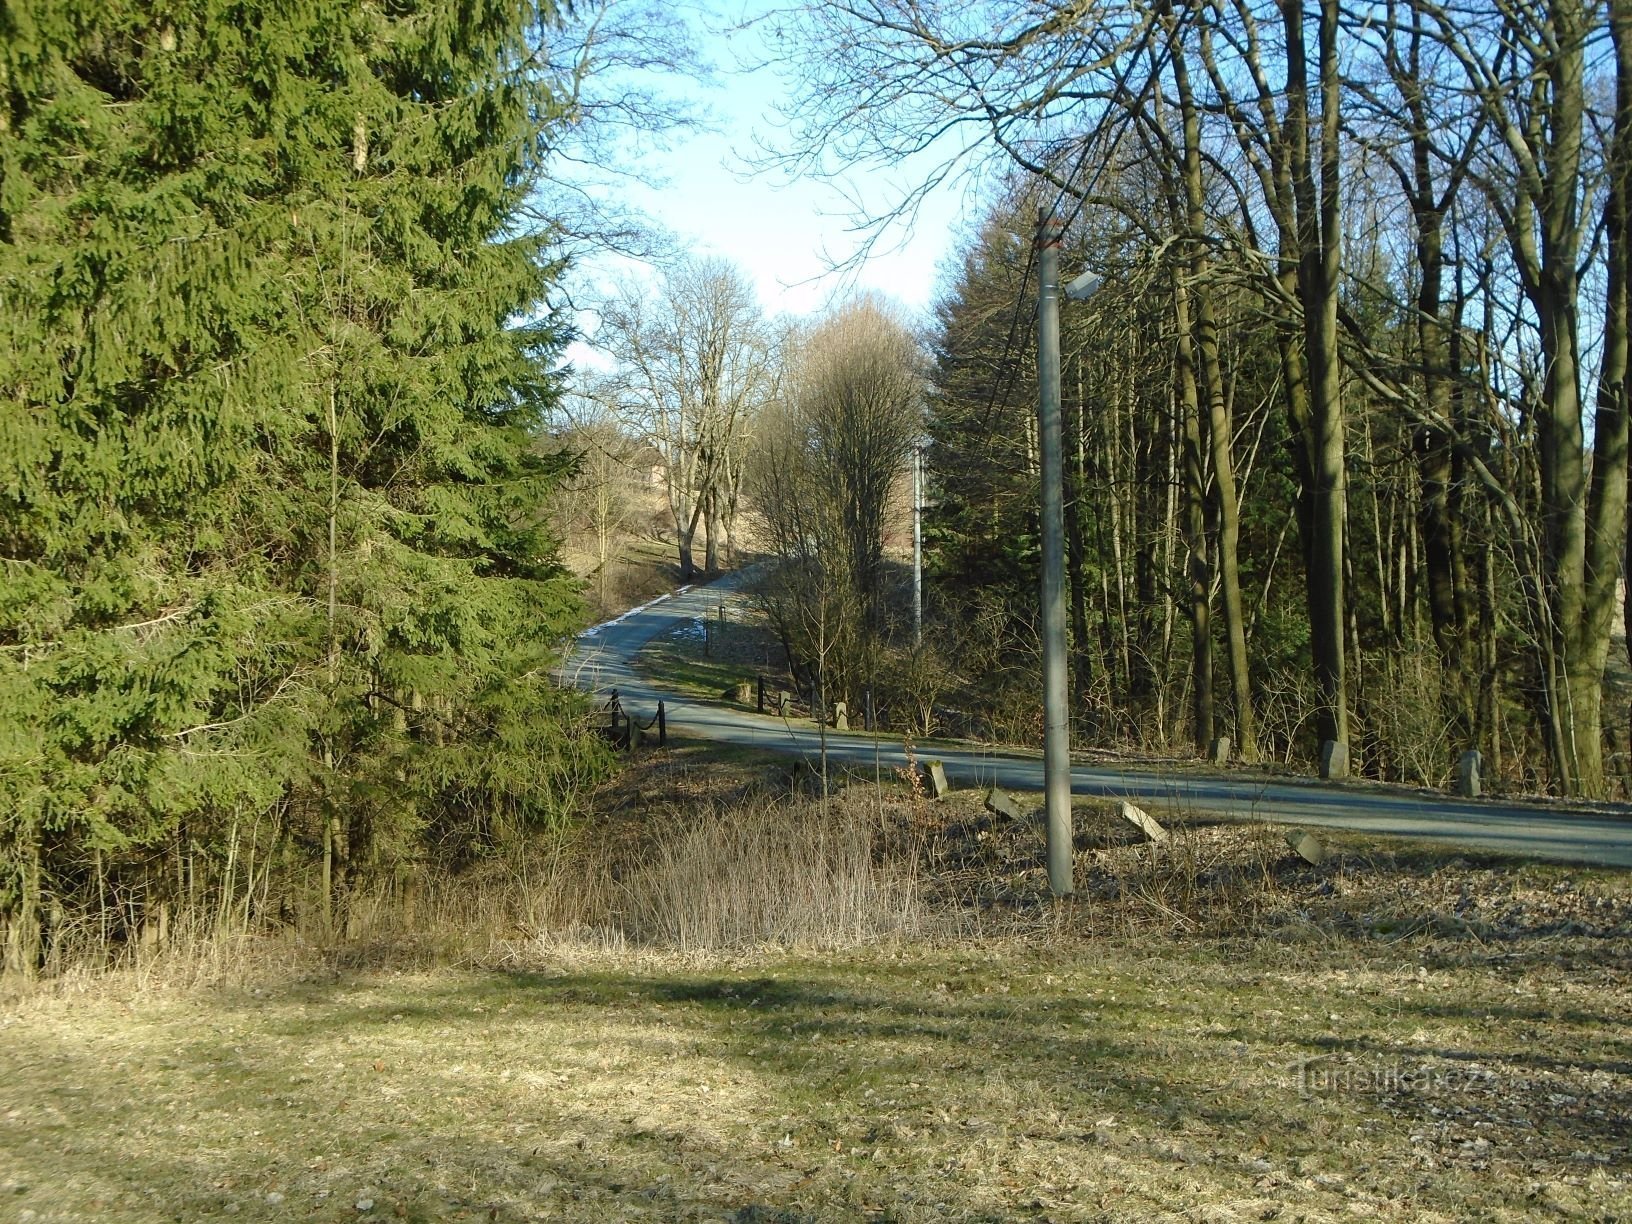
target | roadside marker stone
x=1307, y=846
x=1142, y=820
x=1000, y=803
x=1468, y=769
x=1334, y=760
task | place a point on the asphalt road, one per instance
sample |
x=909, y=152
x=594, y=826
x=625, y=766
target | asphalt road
x=1600, y=834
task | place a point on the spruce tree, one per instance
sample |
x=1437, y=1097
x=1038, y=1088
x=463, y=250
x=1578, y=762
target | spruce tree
x=275, y=349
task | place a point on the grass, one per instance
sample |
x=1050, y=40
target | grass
x=741, y=648
x=732, y=1007
x=987, y=1081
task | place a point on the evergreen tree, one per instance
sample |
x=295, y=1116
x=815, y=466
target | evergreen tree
x=268, y=490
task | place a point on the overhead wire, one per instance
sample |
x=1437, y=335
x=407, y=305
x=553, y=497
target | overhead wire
x=1089, y=143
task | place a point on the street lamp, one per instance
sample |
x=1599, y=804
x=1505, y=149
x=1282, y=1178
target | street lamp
x=1056, y=712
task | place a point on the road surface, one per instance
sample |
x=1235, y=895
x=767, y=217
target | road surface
x=1599, y=835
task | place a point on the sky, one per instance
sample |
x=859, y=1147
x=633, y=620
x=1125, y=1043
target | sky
x=784, y=236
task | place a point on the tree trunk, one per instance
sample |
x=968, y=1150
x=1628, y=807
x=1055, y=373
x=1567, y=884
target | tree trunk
x=711, y=550
x=688, y=567
x=1584, y=527
x=1318, y=274
x=1216, y=415
x=1076, y=478
x=1194, y=522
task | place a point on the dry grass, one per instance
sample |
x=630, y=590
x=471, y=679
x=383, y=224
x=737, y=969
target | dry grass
x=806, y=877
x=993, y=1080
x=726, y=1005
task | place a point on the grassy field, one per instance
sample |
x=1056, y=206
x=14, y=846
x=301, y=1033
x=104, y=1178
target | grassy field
x=707, y=661
x=1217, y=1031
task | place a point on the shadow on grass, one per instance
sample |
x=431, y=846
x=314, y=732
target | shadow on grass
x=929, y=1058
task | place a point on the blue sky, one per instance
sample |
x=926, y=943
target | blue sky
x=785, y=236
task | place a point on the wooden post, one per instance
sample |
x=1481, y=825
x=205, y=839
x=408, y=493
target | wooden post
x=662, y=726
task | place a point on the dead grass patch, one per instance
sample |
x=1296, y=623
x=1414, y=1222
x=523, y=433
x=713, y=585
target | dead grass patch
x=990, y=1080
x=720, y=1003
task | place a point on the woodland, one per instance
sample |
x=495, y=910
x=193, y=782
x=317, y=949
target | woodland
x=288, y=444
x=1346, y=418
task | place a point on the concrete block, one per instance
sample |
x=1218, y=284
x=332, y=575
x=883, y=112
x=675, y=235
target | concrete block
x=1334, y=760
x=1307, y=846
x=1468, y=770
x=1000, y=803
x=1142, y=820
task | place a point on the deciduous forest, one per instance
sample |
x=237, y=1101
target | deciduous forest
x=1347, y=417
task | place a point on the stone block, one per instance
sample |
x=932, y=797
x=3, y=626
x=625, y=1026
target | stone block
x=841, y=716
x=1468, y=770
x=1307, y=846
x=935, y=779
x=1000, y=803
x=1334, y=760
x=1143, y=821
x=1221, y=751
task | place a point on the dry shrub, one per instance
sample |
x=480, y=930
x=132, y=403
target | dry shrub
x=1217, y=880
x=808, y=875
x=1406, y=708
x=727, y=877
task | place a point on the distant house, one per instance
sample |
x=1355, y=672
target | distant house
x=648, y=466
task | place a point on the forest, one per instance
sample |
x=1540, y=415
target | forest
x=289, y=441
x=1347, y=416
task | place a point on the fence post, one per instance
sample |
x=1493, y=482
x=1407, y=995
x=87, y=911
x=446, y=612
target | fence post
x=662, y=727
x=762, y=694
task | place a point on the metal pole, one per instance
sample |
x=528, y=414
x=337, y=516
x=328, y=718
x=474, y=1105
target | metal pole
x=1056, y=722
x=917, y=544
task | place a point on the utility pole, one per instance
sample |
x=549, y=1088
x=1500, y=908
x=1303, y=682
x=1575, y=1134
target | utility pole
x=1056, y=717
x=918, y=544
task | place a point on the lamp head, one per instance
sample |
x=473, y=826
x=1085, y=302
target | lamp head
x=1083, y=287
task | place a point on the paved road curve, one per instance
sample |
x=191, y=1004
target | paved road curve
x=1602, y=834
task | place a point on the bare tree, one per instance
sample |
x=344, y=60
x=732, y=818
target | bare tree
x=598, y=503
x=1043, y=86
x=618, y=64
x=835, y=449
x=696, y=362
x=1537, y=177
